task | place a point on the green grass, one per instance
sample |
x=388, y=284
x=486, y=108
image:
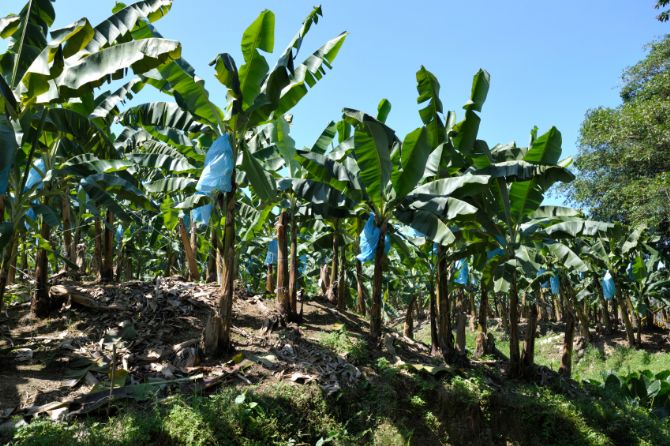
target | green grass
x=345, y=343
x=592, y=365
x=279, y=414
x=392, y=408
x=622, y=360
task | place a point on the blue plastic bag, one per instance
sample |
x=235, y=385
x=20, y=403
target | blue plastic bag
x=202, y=215
x=463, y=272
x=416, y=234
x=36, y=174
x=609, y=287
x=302, y=263
x=369, y=240
x=271, y=256
x=186, y=217
x=4, y=179
x=494, y=253
x=554, y=284
x=218, y=170
x=119, y=233
x=30, y=215
x=629, y=271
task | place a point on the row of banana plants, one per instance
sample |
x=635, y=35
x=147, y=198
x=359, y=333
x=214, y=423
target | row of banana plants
x=436, y=221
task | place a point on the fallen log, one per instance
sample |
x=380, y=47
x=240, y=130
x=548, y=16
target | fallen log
x=78, y=296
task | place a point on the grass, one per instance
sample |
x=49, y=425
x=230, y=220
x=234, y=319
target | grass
x=392, y=408
x=593, y=364
x=278, y=414
x=345, y=343
x=622, y=360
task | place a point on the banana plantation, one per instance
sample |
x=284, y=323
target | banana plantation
x=189, y=259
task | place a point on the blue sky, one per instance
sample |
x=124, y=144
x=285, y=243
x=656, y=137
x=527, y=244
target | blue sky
x=549, y=61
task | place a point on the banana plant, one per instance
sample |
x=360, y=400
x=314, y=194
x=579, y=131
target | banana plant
x=381, y=175
x=646, y=283
x=521, y=177
x=613, y=253
x=39, y=78
x=327, y=204
x=257, y=95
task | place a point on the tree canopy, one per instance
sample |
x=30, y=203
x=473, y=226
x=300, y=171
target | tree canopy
x=624, y=152
x=664, y=15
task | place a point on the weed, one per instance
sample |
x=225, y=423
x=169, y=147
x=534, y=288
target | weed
x=342, y=342
x=387, y=434
x=46, y=433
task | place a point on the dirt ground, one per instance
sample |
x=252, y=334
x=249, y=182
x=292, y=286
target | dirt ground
x=136, y=333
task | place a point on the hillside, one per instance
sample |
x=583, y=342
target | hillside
x=319, y=382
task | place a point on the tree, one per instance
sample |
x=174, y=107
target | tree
x=624, y=153
x=664, y=15
x=257, y=95
x=38, y=78
x=382, y=174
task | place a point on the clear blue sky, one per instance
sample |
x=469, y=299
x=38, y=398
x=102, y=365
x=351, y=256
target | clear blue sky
x=549, y=61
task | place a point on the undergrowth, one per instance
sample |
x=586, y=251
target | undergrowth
x=391, y=408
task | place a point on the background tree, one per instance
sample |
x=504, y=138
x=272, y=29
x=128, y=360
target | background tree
x=664, y=15
x=624, y=152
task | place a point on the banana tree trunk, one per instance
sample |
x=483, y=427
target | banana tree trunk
x=614, y=311
x=376, y=310
x=67, y=230
x=483, y=307
x=514, y=357
x=283, y=297
x=621, y=301
x=3, y=275
x=331, y=294
x=293, y=267
x=170, y=262
x=444, y=336
x=6, y=265
x=567, y=296
x=107, y=272
x=528, y=356
x=341, y=281
x=408, y=326
x=434, y=344
x=636, y=320
x=504, y=315
x=194, y=238
x=648, y=316
x=324, y=280
x=543, y=314
x=583, y=321
x=11, y=274
x=41, y=305
x=461, y=321
x=211, y=259
x=558, y=314
x=97, y=253
x=225, y=311
x=269, y=280
x=79, y=250
x=360, y=290
x=193, y=273
x=24, y=259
